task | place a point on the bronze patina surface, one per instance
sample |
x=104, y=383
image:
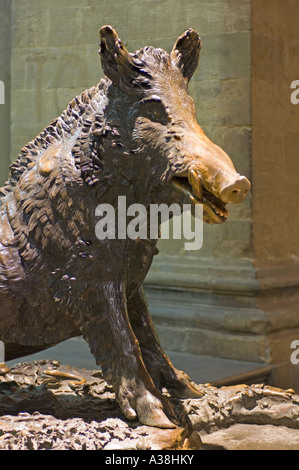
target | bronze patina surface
x=134, y=134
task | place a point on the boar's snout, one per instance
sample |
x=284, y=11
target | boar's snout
x=211, y=180
x=235, y=191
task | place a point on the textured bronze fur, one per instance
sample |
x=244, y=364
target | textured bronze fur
x=134, y=134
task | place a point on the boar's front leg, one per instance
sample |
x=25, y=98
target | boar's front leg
x=156, y=361
x=116, y=350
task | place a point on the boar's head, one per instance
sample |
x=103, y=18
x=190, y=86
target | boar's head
x=150, y=103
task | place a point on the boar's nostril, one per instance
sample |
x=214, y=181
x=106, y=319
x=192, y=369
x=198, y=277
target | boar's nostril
x=235, y=192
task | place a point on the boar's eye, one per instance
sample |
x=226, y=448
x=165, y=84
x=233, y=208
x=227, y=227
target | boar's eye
x=154, y=109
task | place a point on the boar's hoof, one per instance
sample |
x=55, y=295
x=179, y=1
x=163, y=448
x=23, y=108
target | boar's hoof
x=182, y=386
x=149, y=410
x=186, y=391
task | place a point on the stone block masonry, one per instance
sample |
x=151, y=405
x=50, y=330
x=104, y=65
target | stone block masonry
x=5, y=54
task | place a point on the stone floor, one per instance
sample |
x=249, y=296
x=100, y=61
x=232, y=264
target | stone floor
x=252, y=437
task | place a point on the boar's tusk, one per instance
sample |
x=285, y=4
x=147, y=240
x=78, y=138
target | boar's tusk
x=195, y=181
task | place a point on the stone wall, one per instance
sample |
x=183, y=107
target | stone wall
x=5, y=52
x=221, y=89
x=54, y=57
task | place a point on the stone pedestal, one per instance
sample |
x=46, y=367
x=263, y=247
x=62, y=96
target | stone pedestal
x=47, y=405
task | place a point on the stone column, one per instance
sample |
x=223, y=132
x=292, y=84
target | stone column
x=275, y=172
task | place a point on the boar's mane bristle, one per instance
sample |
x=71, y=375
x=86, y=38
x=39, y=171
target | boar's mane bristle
x=71, y=125
x=148, y=62
x=144, y=64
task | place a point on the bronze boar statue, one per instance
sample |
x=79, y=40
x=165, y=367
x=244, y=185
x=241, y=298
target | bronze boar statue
x=134, y=134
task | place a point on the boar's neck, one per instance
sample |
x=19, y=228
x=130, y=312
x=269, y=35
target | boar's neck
x=81, y=159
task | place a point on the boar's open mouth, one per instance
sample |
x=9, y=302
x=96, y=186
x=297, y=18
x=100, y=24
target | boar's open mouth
x=214, y=209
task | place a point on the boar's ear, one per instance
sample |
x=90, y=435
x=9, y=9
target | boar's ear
x=185, y=53
x=115, y=58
